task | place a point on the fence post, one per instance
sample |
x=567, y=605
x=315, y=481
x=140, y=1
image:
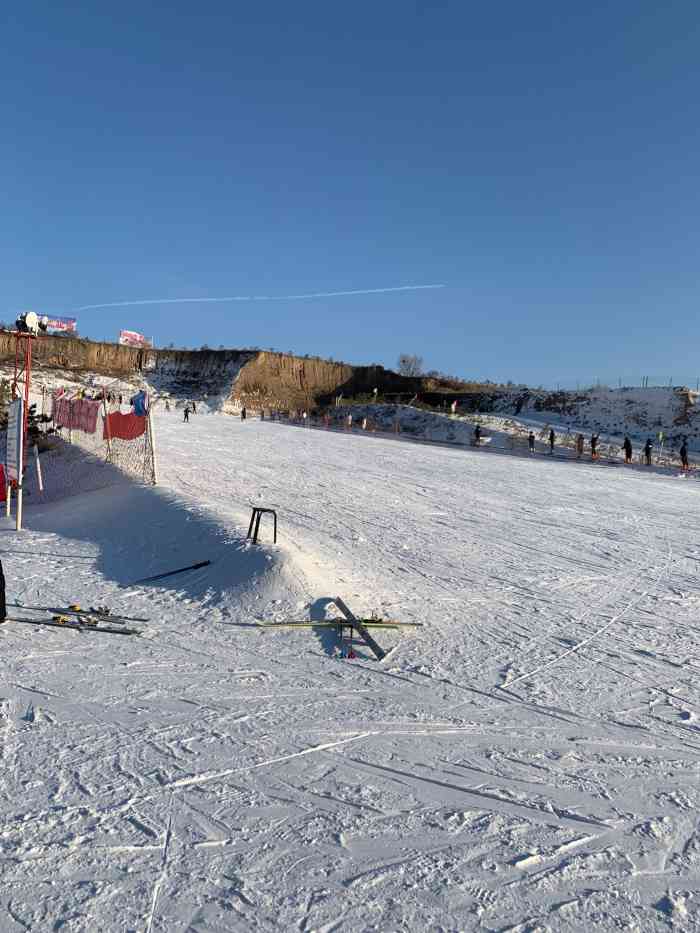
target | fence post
x=152, y=439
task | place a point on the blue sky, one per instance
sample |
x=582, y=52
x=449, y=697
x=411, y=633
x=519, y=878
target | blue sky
x=541, y=160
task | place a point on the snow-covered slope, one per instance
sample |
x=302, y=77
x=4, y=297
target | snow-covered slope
x=507, y=433
x=528, y=759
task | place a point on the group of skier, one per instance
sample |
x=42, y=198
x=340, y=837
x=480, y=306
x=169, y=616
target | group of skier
x=647, y=450
x=580, y=445
x=191, y=407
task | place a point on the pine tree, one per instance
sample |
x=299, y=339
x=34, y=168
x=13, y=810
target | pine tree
x=4, y=402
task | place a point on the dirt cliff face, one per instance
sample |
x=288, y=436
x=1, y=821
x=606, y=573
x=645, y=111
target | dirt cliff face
x=228, y=378
x=278, y=380
x=71, y=353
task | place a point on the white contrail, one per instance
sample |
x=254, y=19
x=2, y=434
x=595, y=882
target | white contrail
x=172, y=301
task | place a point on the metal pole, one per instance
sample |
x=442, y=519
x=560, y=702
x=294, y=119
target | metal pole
x=109, y=435
x=39, y=476
x=153, y=448
x=20, y=478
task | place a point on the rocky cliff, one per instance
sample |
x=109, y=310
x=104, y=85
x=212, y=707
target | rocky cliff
x=228, y=379
x=73, y=354
x=278, y=380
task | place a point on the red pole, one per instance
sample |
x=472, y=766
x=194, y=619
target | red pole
x=15, y=391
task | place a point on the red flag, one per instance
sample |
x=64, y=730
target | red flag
x=126, y=427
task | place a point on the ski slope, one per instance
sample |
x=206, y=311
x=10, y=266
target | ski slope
x=529, y=759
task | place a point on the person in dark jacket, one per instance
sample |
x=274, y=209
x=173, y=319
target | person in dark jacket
x=627, y=447
x=594, y=446
x=3, y=605
x=552, y=437
x=531, y=442
x=648, y=447
x=243, y=414
x=684, y=454
x=477, y=435
x=187, y=413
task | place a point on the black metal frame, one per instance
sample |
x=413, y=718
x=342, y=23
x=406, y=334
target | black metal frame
x=255, y=520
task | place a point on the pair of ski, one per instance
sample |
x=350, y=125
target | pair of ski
x=77, y=626
x=351, y=621
x=83, y=620
x=338, y=623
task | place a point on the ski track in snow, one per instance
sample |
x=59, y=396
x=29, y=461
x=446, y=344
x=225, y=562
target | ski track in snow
x=527, y=759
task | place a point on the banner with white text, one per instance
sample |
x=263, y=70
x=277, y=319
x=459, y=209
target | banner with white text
x=129, y=338
x=66, y=324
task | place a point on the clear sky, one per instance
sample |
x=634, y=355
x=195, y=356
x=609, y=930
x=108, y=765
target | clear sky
x=540, y=159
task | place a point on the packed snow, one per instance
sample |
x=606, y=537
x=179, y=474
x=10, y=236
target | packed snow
x=526, y=759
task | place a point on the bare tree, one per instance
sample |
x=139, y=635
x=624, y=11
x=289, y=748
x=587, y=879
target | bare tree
x=410, y=364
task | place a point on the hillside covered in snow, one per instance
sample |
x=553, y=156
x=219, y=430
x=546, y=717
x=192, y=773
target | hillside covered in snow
x=525, y=758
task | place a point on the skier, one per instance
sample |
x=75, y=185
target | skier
x=684, y=455
x=262, y=414
x=243, y=413
x=627, y=447
x=194, y=407
x=579, y=445
x=648, y=447
x=552, y=435
x=531, y=442
x=594, y=446
x=167, y=405
x=187, y=413
x=477, y=435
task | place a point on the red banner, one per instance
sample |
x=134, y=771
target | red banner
x=125, y=427
x=77, y=413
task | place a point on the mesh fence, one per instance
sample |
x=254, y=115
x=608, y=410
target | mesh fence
x=75, y=460
x=133, y=456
